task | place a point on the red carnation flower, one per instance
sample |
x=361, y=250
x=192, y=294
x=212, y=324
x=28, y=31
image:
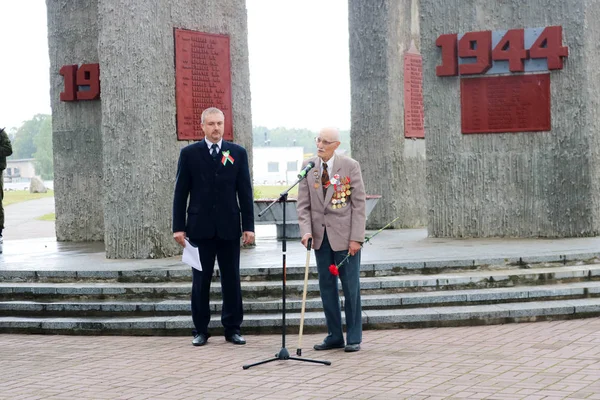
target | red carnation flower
x=334, y=270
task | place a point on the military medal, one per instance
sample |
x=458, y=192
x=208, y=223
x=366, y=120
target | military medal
x=316, y=185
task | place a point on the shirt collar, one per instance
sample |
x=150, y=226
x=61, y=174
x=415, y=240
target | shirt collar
x=209, y=144
x=329, y=163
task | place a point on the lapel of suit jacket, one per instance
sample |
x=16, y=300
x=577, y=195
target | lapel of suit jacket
x=337, y=166
x=317, y=179
x=205, y=152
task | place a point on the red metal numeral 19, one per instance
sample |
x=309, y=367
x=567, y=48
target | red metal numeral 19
x=476, y=44
x=86, y=75
x=549, y=46
x=449, y=46
x=512, y=49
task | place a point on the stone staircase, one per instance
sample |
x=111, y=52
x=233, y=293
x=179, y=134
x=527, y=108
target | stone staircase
x=156, y=301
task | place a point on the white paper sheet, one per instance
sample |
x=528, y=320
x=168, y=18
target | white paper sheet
x=190, y=256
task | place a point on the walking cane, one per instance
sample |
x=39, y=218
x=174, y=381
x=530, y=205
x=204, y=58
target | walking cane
x=299, y=349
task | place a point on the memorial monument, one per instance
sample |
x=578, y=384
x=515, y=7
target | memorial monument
x=477, y=119
x=511, y=96
x=128, y=81
x=387, y=133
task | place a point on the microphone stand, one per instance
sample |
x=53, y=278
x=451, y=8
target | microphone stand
x=284, y=354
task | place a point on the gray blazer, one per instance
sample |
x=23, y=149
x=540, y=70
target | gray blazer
x=315, y=212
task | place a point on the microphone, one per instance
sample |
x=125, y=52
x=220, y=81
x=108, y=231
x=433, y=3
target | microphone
x=308, y=167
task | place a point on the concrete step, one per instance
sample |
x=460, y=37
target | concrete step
x=294, y=304
x=254, y=289
x=181, y=273
x=314, y=321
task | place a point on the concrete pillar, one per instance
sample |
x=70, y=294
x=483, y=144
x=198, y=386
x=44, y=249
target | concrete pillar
x=392, y=166
x=523, y=184
x=76, y=126
x=138, y=106
x=136, y=158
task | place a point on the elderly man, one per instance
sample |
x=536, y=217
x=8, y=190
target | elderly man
x=331, y=211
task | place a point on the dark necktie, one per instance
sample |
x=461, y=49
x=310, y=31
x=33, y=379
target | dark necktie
x=324, y=178
x=214, y=152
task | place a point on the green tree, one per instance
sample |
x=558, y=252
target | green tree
x=12, y=132
x=284, y=137
x=24, y=145
x=44, y=163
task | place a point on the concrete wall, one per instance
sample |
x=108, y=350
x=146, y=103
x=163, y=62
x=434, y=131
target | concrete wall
x=76, y=126
x=134, y=159
x=530, y=184
x=136, y=44
x=592, y=96
x=392, y=166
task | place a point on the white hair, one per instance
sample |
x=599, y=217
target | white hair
x=334, y=132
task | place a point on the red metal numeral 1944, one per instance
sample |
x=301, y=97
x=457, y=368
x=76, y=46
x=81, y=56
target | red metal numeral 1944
x=511, y=48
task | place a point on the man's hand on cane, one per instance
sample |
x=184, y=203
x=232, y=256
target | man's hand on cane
x=305, y=238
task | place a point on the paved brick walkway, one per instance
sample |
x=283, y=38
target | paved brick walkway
x=544, y=360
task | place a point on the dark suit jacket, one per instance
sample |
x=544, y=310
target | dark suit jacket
x=213, y=190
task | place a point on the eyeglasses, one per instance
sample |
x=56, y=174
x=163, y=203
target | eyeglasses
x=325, y=142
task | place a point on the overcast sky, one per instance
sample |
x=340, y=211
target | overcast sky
x=299, y=73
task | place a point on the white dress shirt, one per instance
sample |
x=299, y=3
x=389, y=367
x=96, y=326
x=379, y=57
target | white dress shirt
x=329, y=166
x=209, y=144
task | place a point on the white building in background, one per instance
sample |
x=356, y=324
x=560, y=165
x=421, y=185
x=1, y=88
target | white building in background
x=276, y=165
x=21, y=170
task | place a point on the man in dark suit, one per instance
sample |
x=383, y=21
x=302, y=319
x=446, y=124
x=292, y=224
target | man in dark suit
x=214, y=174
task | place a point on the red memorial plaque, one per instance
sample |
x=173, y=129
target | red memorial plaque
x=202, y=80
x=519, y=103
x=413, y=95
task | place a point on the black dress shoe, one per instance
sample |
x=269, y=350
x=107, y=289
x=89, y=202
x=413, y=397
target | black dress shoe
x=200, y=340
x=328, y=346
x=236, y=338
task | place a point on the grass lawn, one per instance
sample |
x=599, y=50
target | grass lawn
x=273, y=191
x=17, y=196
x=47, y=217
